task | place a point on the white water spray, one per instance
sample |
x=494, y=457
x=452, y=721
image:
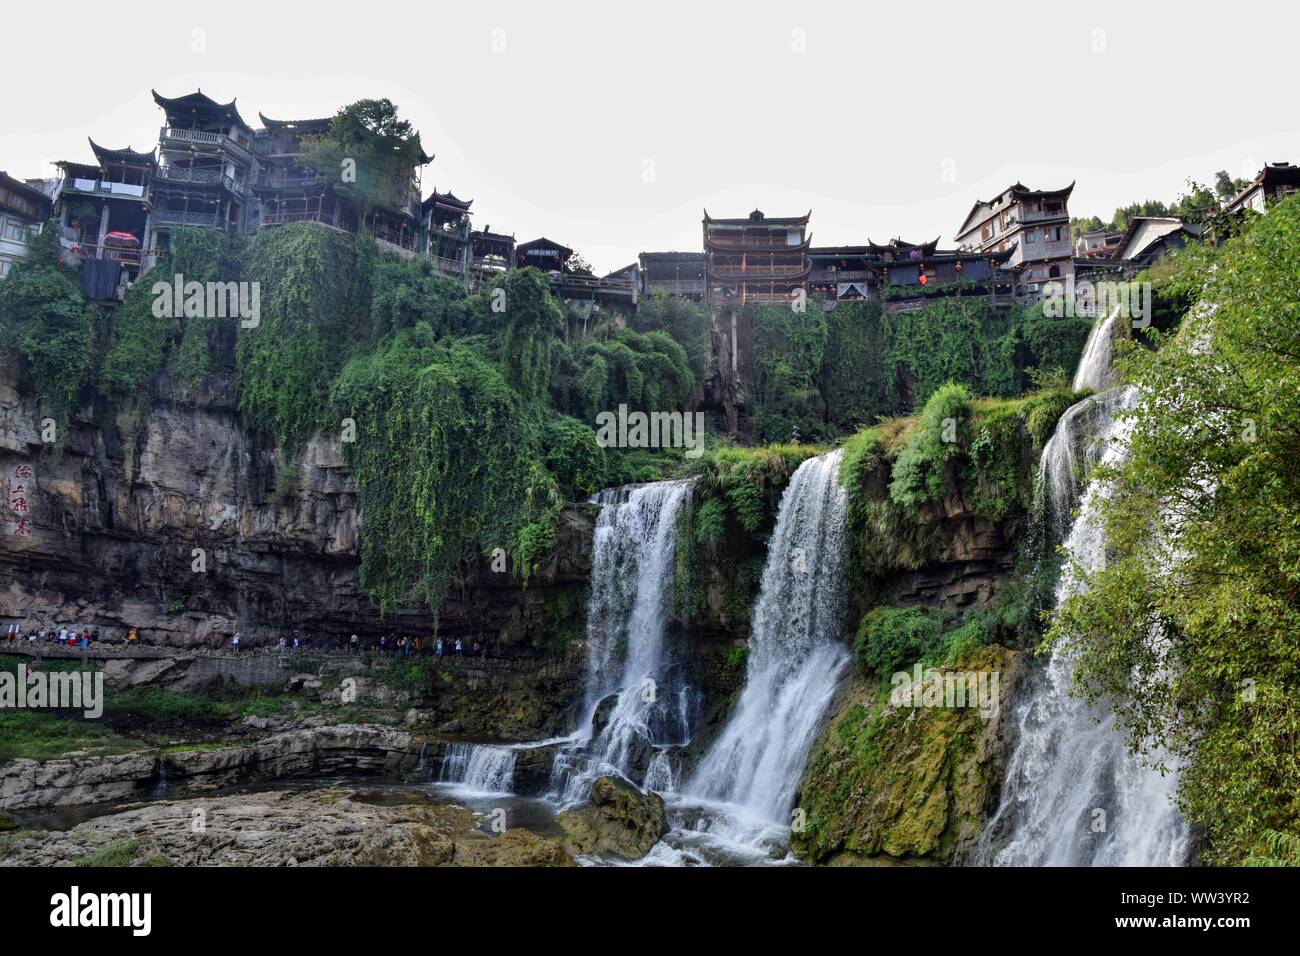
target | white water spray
x=633, y=562
x=796, y=657
x=1073, y=795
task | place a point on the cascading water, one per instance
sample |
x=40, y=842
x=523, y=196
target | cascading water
x=1073, y=795
x=750, y=774
x=630, y=704
x=478, y=768
x=1095, y=370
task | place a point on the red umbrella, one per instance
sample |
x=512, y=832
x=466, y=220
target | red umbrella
x=122, y=240
x=125, y=245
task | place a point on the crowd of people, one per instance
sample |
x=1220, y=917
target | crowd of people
x=399, y=645
x=50, y=634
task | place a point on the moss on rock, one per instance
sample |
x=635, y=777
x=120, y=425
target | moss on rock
x=894, y=783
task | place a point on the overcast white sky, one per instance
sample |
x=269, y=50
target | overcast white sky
x=610, y=126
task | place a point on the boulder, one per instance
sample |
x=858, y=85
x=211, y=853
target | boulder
x=618, y=821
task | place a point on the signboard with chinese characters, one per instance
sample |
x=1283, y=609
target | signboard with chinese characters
x=20, y=483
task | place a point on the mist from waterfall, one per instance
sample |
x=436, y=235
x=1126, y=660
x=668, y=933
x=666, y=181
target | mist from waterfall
x=1073, y=795
x=751, y=773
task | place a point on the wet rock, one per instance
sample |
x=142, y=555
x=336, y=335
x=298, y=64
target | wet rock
x=330, y=827
x=619, y=821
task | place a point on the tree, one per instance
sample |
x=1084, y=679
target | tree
x=1226, y=187
x=369, y=153
x=1202, y=527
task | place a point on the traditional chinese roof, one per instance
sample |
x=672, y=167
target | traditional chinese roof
x=310, y=126
x=1165, y=226
x=1021, y=192
x=25, y=190
x=544, y=243
x=693, y=257
x=482, y=241
x=757, y=217
x=128, y=155
x=447, y=201
x=199, y=102
x=1270, y=177
x=78, y=170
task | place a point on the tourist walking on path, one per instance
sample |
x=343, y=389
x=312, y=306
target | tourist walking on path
x=234, y=644
x=355, y=644
x=437, y=648
x=459, y=649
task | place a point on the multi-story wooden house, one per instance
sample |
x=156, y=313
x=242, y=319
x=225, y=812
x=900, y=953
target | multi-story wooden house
x=206, y=166
x=24, y=209
x=445, y=232
x=104, y=215
x=1032, y=225
x=755, y=259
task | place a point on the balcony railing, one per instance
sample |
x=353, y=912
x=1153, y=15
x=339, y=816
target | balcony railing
x=763, y=243
x=448, y=267
x=169, y=135
x=102, y=188
x=757, y=273
x=182, y=217
x=676, y=286
x=1040, y=215
x=130, y=257
x=185, y=174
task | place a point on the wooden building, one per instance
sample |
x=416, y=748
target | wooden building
x=205, y=167
x=545, y=254
x=679, y=274
x=1150, y=238
x=1033, y=225
x=445, y=232
x=24, y=209
x=1274, y=182
x=491, y=253
x=286, y=190
x=755, y=259
x=103, y=207
x=289, y=191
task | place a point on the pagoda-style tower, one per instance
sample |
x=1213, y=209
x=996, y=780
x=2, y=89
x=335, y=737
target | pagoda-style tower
x=205, y=165
x=755, y=259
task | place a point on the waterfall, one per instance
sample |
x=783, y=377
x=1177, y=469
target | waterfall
x=1095, y=370
x=795, y=657
x=631, y=707
x=479, y=768
x=1073, y=795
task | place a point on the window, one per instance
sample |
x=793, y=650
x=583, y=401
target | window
x=1030, y=236
x=14, y=229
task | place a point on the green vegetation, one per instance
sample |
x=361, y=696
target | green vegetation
x=122, y=853
x=1202, y=528
x=41, y=735
x=45, y=318
x=830, y=373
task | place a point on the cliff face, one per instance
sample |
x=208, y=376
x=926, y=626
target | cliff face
x=189, y=527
